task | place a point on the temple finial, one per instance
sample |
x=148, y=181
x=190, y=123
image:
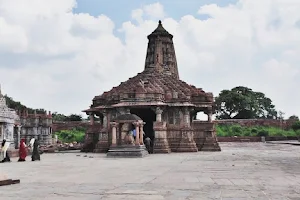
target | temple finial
x=159, y=22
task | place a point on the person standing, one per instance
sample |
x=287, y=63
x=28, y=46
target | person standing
x=35, y=152
x=22, y=151
x=4, y=152
x=148, y=144
x=134, y=133
x=31, y=144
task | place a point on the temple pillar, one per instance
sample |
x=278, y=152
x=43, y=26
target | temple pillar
x=104, y=119
x=137, y=137
x=158, y=112
x=142, y=133
x=209, y=115
x=186, y=117
x=18, y=136
x=161, y=144
x=186, y=140
x=114, y=133
x=92, y=119
x=1, y=132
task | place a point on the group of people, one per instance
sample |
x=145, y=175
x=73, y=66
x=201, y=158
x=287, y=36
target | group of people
x=23, y=149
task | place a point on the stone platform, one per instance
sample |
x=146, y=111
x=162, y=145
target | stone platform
x=241, y=171
x=127, y=151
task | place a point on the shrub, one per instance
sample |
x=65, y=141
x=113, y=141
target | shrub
x=296, y=126
x=297, y=132
x=237, y=130
x=263, y=133
x=70, y=135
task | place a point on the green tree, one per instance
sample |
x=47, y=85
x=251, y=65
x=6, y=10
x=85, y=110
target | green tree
x=243, y=103
x=16, y=105
x=58, y=117
x=294, y=117
x=296, y=126
x=74, y=117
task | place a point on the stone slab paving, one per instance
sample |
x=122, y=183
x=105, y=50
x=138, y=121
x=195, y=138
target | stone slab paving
x=241, y=171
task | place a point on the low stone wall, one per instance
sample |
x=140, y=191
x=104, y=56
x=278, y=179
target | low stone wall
x=255, y=139
x=285, y=124
x=58, y=126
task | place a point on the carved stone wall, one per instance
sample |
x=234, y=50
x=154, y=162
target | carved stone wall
x=36, y=126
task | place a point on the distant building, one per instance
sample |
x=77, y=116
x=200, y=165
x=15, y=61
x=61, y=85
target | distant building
x=36, y=125
x=16, y=125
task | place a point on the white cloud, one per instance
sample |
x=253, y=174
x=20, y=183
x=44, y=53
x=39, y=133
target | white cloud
x=12, y=37
x=58, y=60
x=155, y=10
x=280, y=70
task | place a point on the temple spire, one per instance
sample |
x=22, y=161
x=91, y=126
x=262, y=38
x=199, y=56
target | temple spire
x=161, y=54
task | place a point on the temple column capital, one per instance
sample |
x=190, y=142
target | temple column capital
x=136, y=124
x=114, y=124
x=158, y=112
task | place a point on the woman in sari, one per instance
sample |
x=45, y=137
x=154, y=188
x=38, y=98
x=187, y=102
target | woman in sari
x=22, y=151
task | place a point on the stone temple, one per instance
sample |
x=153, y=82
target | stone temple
x=16, y=125
x=36, y=125
x=166, y=105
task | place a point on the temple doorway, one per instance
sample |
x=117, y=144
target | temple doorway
x=148, y=116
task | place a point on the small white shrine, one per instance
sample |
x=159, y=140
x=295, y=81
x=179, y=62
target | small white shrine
x=9, y=124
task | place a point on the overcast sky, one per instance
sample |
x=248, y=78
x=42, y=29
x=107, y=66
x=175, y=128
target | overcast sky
x=59, y=54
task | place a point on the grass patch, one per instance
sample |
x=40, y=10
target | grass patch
x=237, y=130
x=67, y=136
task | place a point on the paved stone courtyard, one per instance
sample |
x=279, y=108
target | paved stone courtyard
x=240, y=171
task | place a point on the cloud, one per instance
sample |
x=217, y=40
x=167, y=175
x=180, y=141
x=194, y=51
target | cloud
x=153, y=11
x=53, y=58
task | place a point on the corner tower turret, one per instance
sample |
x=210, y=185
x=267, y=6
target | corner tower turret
x=161, y=53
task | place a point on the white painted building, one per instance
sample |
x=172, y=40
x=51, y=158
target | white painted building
x=9, y=124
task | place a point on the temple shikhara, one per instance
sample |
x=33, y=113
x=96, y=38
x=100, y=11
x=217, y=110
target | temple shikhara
x=156, y=104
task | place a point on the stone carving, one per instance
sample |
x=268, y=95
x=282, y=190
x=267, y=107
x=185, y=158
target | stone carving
x=129, y=138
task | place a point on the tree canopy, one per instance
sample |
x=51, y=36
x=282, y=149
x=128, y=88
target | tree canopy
x=16, y=105
x=294, y=117
x=244, y=103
